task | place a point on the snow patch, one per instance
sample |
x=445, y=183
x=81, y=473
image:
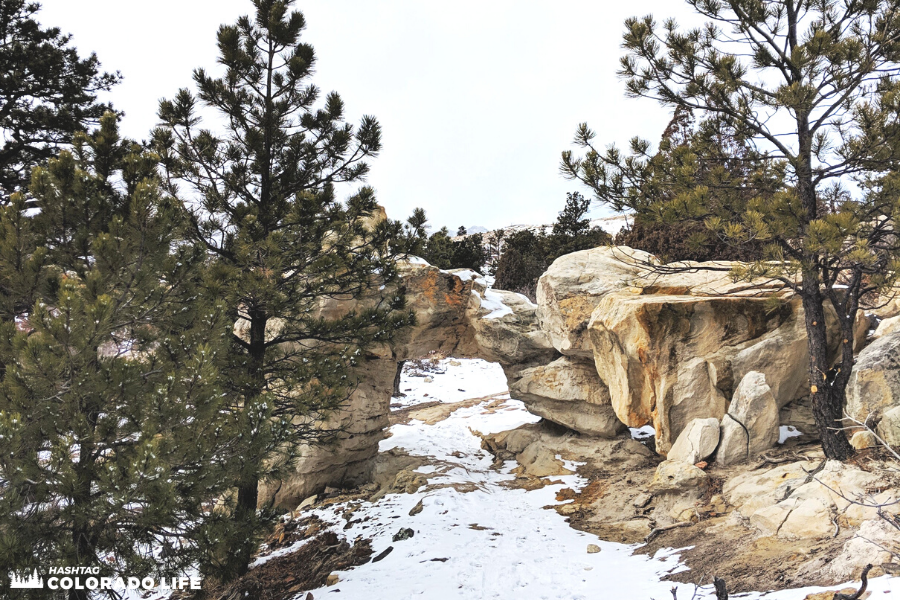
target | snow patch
x=493, y=302
x=787, y=431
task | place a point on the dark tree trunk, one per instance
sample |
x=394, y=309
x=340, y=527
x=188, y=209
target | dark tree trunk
x=245, y=512
x=397, y=392
x=248, y=486
x=827, y=399
x=83, y=536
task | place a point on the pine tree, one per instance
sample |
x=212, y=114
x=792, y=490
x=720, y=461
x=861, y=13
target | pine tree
x=810, y=88
x=111, y=430
x=289, y=257
x=47, y=92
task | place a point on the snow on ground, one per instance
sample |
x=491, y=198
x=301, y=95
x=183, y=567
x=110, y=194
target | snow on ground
x=494, y=542
x=449, y=381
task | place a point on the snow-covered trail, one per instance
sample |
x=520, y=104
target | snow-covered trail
x=493, y=542
x=490, y=543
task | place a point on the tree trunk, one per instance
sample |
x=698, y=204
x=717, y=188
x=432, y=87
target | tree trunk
x=81, y=528
x=827, y=399
x=245, y=512
x=248, y=486
x=398, y=393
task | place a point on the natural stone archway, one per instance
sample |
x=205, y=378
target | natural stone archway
x=605, y=346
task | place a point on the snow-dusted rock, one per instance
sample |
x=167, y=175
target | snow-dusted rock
x=568, y=391
x=504, y=328
x=697, y=442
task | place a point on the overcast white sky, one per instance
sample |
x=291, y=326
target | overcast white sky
x=477, y=98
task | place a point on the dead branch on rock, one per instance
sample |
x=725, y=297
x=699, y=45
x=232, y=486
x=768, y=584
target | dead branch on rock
x=865, y=583
x=865, y=425
x=658, y=530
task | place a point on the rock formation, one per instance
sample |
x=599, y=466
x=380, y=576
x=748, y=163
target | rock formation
x=874, y=386
x=751, y=425
x=607, y=345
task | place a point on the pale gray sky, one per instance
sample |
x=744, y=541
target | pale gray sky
x=477, y=98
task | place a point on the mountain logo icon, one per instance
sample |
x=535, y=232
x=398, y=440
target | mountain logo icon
x=34, y=582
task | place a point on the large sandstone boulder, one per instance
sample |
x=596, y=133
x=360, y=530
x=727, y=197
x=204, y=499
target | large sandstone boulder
x=504, y=328
x=751, y=425
x=697, y=442
x=440, y=300
x=573, y=286
x=568, y=391
x=668, y=359
x=874, y=385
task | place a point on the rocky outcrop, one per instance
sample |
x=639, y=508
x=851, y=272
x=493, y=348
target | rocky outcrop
x=348, y=459
x=751, y=425
x=607, y=345
x=669, y=359
x=504, y=328
x=440, y=301
x=573, y=286
x=800, y=500
x=874, y=385
x=568, y=391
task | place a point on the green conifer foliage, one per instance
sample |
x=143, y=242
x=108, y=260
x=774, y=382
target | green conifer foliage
x=48, y=93
x=112, y=435
x=808, y=91
x=290, y=259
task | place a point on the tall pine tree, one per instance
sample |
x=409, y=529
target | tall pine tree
x=290, y=258
x=112, y=436
x=808, y=90
x=48, y=93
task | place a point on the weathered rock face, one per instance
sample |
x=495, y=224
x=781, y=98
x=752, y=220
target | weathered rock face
x=568, y=391
x=606, y=345
x=668, y=359
x=791, y=503
x=505, y=329
x=697, y=442
x=573, y=286
x=349, y=459
x=440, y=301
x=874, y=385
x=751, y=425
